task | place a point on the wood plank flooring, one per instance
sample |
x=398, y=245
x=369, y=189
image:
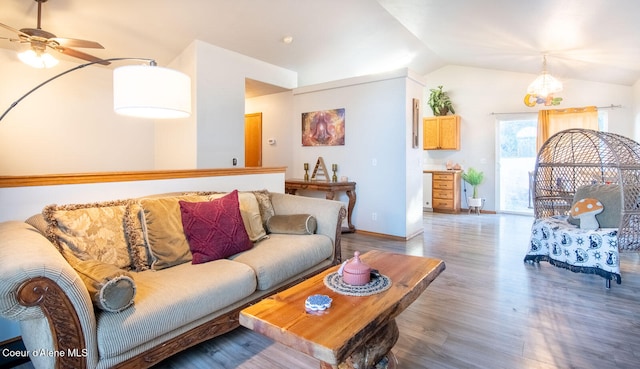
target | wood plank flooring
x=488, y=309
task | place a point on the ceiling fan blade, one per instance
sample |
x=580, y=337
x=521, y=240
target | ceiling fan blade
x=74, y=42
x=22, y=34
x=19, y=40
x=81, y=55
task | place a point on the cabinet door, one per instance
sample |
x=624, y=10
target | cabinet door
x=449, y=132
x=430, y=134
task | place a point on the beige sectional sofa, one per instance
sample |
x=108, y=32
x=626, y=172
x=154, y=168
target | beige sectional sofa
x=74, y=316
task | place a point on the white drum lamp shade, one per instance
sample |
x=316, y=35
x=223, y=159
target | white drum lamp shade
x=151, y=92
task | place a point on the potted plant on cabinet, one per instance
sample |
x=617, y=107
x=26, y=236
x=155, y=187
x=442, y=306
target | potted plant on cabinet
x=474, y=178
x=439, y=102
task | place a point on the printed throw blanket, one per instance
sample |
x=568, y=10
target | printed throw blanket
x=567, y=246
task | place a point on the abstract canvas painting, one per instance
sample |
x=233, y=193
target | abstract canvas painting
x=323, y=128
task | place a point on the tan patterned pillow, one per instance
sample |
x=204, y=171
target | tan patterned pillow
x=134, y=232
x=266, y=207
x=250, y=212
x=167, y=242
x=90, y=231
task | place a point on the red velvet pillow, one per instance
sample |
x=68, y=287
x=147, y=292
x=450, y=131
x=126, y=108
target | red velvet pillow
x=214, y=228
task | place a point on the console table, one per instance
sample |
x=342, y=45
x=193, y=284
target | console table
x=291, y=186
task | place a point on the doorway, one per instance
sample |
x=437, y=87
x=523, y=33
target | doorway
x=253, y=140
x=516, y=162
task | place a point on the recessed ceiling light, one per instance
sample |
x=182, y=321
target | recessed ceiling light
x=287, y=39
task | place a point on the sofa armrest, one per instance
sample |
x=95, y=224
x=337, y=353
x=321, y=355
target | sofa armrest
x=40, y=289
x=329, y=215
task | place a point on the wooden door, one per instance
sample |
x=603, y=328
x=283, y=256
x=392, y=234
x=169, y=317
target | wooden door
x=253, y=140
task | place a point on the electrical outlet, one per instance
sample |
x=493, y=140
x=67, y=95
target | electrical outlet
x=374, y=216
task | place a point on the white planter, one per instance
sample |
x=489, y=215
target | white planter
x=475, y=204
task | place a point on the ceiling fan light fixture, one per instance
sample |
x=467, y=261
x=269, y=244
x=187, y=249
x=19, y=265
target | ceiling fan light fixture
x=37, y=60
x=151, y=92
x=545, y=84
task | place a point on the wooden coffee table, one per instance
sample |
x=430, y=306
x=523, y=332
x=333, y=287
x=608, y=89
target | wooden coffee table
x=355, y=332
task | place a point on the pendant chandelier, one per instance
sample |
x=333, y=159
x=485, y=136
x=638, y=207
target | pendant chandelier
x=545, y=84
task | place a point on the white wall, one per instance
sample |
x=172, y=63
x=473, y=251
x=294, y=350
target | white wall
x=277, y=113
x=175, y=142
x=378, y=111
x=413, y=162
x=67, y=125
x=377, y=130
x=477, y=93
x=216, y=129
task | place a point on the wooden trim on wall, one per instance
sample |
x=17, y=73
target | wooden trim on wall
x=100, y=177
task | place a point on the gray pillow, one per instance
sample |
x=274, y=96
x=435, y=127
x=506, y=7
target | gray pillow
x=609, y=196
x=292, y=224
x=111, y=288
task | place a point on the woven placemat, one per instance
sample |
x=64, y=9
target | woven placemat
x=336, y=284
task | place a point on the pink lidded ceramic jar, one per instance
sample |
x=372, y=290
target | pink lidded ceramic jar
x=356, y=272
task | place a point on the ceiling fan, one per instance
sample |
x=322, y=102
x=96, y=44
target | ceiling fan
x=40, y=39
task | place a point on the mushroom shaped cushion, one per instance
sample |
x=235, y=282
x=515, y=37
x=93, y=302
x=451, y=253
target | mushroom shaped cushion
x=586, y=210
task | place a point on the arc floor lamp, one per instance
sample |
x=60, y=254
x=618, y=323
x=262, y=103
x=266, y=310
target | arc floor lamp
x=144, y=91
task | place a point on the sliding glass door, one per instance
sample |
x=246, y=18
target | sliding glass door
x=516, y=154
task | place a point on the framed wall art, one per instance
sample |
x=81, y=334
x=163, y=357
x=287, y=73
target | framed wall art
x=323, y=128
x=415, y=126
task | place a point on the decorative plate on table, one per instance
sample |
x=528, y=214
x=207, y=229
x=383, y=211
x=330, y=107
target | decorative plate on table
x=378, y=284
x=318, y=302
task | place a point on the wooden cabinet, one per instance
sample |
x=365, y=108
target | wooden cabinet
x=441, y=133
x=446, y=191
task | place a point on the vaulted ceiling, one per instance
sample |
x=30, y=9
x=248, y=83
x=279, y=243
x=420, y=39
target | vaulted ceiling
x=595, y=40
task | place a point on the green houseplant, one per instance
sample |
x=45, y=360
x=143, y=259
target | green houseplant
x=440, y=102
x=474, y=178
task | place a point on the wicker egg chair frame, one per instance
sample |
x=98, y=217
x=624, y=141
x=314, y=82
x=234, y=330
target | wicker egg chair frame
x=574, y=158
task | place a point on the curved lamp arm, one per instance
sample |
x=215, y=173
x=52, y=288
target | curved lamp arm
x=150, y=61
